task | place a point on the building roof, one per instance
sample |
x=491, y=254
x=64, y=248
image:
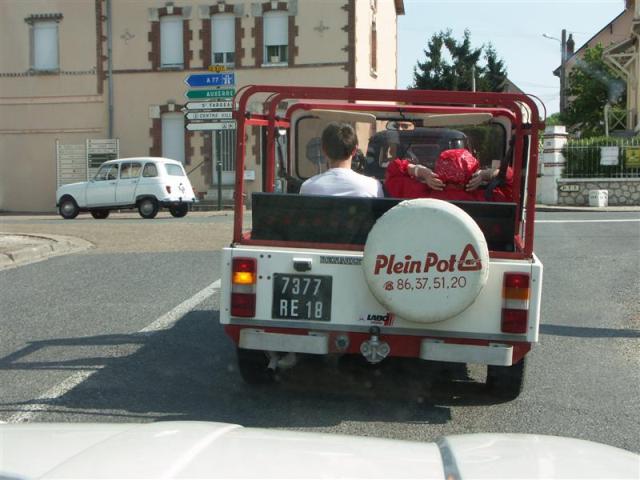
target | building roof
x=585, y=45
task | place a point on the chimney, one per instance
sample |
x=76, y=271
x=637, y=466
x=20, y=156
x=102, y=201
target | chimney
x=571, y=45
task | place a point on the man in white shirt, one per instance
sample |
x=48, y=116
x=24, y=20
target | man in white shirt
x=339, y=144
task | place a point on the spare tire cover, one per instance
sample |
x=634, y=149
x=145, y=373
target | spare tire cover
x=426, y=260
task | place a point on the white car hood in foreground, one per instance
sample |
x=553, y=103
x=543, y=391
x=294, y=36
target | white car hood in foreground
x=218, y=450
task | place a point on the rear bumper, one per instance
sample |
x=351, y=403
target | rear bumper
x=178, y=202
x=484, y=352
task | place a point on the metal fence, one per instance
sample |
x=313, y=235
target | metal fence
x=602, y=158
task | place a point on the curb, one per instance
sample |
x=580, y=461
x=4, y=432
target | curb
x=56, y=245
x=557, y=208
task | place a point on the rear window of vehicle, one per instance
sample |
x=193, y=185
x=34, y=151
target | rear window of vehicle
x=174, y=170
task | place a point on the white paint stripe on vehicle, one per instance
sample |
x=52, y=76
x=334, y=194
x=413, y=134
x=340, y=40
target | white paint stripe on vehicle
x=29, y=412
x=612, y=220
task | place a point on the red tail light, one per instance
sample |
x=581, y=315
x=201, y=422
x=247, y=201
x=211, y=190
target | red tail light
x=168, y=187
x=515, y=302
x=243, y=287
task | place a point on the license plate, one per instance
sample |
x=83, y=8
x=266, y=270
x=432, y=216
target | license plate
x=302, y=297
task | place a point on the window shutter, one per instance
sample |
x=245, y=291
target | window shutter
x=171, y=53
x=276, y=28
x=173, y=136
x=45, y=48
x=224, y=33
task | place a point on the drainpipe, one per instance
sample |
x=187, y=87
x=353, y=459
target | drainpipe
x=109, y=70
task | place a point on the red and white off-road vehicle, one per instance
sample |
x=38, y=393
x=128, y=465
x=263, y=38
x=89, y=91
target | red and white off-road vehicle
x=424, y=278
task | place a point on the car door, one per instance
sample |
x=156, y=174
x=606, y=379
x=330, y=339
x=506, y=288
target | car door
x=101, y=191
x=126, y=187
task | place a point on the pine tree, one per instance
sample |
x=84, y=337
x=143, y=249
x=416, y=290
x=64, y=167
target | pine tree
x=494, y=78
x=436, y=73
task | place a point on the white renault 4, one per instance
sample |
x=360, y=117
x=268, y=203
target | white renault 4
x=146, y=183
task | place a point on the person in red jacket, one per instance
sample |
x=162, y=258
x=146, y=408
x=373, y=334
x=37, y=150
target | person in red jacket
x=457, y=176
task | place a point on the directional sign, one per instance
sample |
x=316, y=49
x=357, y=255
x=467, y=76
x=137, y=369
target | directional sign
x=209, y=115
x=222, y=93
x=226, y=79
x=229, y=125
x=213, y=105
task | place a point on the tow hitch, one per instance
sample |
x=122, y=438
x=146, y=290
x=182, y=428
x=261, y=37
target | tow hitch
x=373, y=349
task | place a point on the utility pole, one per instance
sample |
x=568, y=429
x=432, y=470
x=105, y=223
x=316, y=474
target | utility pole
x=563, y=80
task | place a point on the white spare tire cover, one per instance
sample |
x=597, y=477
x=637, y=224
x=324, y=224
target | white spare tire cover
x=426, y=260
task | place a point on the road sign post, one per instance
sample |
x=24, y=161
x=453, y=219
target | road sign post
x=217, y=93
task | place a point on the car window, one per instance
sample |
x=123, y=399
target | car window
x=113, y=172
x=174, y=170
x=130, y=170
x=102, y=173
x=125, y=170
x=150, y=170
x=135, y=170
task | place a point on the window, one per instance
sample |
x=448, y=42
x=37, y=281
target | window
x=130, y=170
x=171, y=36
x=223, y=39
x=173, y=136
x=150, y=170
x=174, y=170
x=102, y=173
x=113, y=172
x=45, y=46
x=276, y=37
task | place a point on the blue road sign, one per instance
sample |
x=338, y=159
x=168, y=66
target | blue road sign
x=225, y=79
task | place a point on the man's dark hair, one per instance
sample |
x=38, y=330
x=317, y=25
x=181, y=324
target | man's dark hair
x=339, y=140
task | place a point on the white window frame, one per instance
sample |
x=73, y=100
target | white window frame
x=276, y=35
x=223, y=43
x=171, y=48
x=39, y=31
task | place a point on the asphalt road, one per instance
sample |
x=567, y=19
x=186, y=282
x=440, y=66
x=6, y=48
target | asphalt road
x=74, y=347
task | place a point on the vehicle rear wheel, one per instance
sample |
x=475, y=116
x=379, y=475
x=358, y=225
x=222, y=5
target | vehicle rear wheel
x=179, y=211
x=148, y=207
x=253, y=366
x=506, y=383
x=99, y=214
x=68, y=208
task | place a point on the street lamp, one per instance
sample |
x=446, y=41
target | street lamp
x=563, y=60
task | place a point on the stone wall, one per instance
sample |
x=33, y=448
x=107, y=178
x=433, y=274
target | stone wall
x=622, y=191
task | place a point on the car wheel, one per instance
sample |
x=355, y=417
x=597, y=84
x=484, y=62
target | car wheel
x=99, y=214
x=253, y=366
x=148, y=207
x=68, y=208
x=506, y=383
x=179, y=211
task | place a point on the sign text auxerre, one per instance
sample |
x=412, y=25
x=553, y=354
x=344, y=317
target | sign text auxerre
x=467, y=261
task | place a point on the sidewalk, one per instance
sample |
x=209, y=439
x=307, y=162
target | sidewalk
x=19, y=249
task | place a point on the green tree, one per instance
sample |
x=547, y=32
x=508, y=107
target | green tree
x=436, y=72
x=590, y=85
x=494, y=77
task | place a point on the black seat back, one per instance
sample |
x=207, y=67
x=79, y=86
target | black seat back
x=348, y=220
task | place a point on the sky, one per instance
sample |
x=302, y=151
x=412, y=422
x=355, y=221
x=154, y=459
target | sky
x=514, y=27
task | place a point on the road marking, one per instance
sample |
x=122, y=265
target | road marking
x=166, y=321
x=616, y=220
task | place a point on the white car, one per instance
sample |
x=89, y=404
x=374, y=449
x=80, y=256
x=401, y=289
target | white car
x=145, y=183
x=222, y=450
